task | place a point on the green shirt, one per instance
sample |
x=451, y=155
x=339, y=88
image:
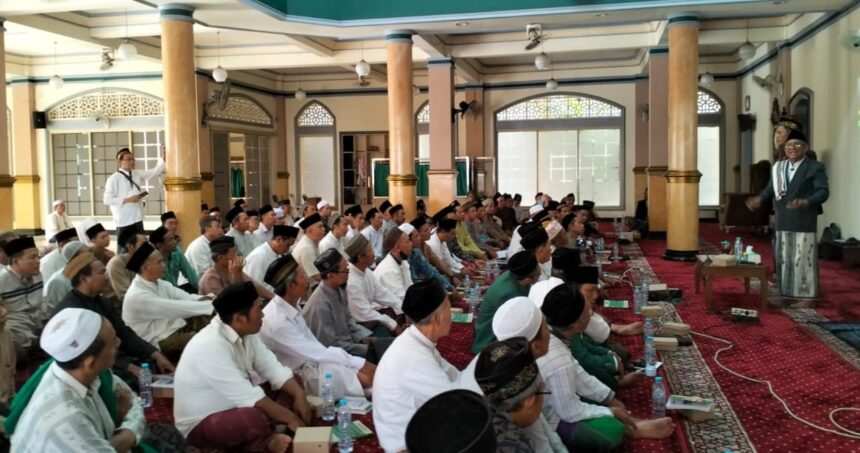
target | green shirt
x=175, y=264
x=502, y=290
x=596, y=359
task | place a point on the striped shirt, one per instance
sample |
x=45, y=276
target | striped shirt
x=24, y=302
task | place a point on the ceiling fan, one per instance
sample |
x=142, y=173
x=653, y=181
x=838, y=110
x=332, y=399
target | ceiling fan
x=464, y=107
x=534, y=33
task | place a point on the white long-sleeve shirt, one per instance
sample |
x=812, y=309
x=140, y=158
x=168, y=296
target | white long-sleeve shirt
x=364, y=294
x=51, y=263
x=118, y=188
x=375, y=238
x=199, y=255
x=258, y=261
x=568, y=382
x=598, y=328
x=156, y=310
x=440, y=250
x=263, y=234
x=306, y=252
x=219, y=371
x=245, y=241
x=57, y=222
x=395, y=277
x=411, y=372
x=331, y=242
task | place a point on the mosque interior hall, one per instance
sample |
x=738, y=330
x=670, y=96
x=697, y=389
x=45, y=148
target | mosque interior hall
x=654, y=143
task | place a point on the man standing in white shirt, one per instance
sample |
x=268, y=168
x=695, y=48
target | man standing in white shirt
x=219, y=403
x=198, y=253
x=364, y=291
x=267, y=221
x=583, y=426
x=286, y=334
x=124, y=191
x=307, y=249
x=393, y=272
x=155, y=309
x=355, y=220
x=238, y=220
x=373, y=231
x=336, y=238
x=412, y=371
x=259, y=260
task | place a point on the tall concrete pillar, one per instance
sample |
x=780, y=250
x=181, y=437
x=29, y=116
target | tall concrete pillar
x=28, y=204
x=6, y=179
x=473, y=122
x=640, y=164
x=442, y=176
x=183, y=182
x=682, y=188
x=658, y=137
x=204, y=143
x=401, y=125
x=279, y=156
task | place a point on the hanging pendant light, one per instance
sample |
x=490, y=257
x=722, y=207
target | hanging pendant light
x=706, y=79
x=362, y=68
x=551, y=85
x=126, y=51
x=219, y=74
x=300, y=94
x=747, y=49
x=542, y=61
x=55, y=82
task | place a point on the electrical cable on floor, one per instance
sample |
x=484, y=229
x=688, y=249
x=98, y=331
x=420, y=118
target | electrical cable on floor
x=842, y=431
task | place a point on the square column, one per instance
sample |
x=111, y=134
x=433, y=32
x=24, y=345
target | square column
x=640, y=162
x=473, y=121
x=442, y=177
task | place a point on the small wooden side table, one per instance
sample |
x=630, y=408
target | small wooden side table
x=707, y=273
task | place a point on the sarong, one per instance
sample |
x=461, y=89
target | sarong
x=796, y=264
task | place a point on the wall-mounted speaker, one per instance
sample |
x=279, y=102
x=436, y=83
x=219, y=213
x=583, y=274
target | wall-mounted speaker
x=40, y=120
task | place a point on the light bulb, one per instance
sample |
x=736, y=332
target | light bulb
x=127, y=51
x=706, y=80
x=219, y=74
x=542, y=61
x=56, y=82
x=746, y=50
x=362, y=68
x=300, y=94
x=551, y=85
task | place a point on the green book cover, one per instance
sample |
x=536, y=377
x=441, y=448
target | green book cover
x=610, y=303
x=357, y=430
x=463, y=318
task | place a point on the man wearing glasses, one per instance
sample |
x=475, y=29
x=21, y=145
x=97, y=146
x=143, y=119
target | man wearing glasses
x=124, y=191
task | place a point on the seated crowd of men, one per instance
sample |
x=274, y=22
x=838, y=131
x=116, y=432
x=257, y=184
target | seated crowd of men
x=251, y=321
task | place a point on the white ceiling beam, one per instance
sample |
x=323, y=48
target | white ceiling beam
x=466, y=69
x=310, y=45
x=81, y=33
x=431, y=44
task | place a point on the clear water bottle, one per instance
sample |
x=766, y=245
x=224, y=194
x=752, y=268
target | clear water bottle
x=637, y=300
x=467, y=283
x=487, y=269
x=327, y=395
x=496, y=269
x=649, y=327
x=145, y=385
x=658, y=399
x=650, y=357
x=739, y=249
x=344, y=421
x=616, y=252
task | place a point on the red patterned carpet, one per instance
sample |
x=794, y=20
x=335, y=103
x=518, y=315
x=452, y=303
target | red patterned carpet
x=806, y=371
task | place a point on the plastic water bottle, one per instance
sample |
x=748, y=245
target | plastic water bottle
x=637, y=300
x=616, y=253
x=644, y=290
x=496, y=269
x=145, y=385
x=327, y=395
x=739, y=249
x=344, y=421
x=650, y=357
x=649, y=327
x=658, y=399
x=488, y=269
x=467, y=283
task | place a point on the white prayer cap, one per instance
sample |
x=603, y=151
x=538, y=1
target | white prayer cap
x=539, y=290
x=487, y=202
x=406, y=228
x=322, y=204
x=534, y=209
x=70, y=332
x=518, y=317
x=57, y=203
x=71, y=249
x=552, y=229
x=279, y=213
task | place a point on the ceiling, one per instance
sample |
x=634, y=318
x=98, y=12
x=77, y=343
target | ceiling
x=323, y=39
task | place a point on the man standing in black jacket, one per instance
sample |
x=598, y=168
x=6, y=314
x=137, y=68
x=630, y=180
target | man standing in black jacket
x=88, y=280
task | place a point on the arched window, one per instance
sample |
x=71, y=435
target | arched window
x=315, y=137
x=422, y=130
x=710, y=148
x=562, y=143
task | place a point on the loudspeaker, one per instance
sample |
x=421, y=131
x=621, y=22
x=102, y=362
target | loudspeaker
x=40, y=120
x=746, y=122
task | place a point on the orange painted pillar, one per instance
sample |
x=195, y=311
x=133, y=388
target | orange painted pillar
x=682, y=179
x=6, y=179
x=658, y=138
x=204, y=142
x=401, y=123
x=183, y=182
x=279, y=157
x=442, y=176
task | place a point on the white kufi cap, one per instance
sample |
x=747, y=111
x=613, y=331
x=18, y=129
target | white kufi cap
x=518, y=317
x=539, y=290
x=406, y=228
x=322, y=204
x=70, y=332
x=534, y=209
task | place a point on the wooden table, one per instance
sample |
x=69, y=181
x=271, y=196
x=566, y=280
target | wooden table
x=707, y=273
